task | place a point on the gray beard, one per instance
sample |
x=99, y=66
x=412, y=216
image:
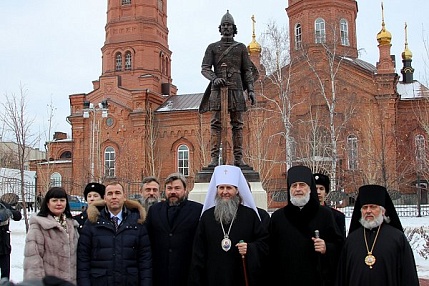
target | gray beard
x=300, y=202
x=148, y=202
x=372, y=224
x=225, y=210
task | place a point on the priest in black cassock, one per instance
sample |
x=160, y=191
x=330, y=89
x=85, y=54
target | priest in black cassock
x=376, y=251
x=230, y=242
x=305, y=242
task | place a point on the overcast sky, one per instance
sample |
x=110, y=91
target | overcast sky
x=53, y=48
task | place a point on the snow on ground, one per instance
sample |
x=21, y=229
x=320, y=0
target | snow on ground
x=417, y=241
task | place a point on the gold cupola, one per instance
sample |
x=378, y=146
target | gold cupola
x=384, y=37
x=254, y=46
x=406, y=54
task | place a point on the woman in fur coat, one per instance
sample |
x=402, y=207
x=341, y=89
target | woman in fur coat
x=51, y=242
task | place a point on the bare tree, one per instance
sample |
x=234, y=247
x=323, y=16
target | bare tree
x=48, y=169
x=275, y=86
x=18, y=123
x=326, y=69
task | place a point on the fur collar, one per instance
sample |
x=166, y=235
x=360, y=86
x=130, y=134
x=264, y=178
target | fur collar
x=94, y=209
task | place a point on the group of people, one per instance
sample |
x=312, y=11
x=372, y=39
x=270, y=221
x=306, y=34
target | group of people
x=225, y=241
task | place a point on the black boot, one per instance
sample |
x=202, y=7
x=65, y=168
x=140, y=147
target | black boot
x=214, y=148
x=237, y=142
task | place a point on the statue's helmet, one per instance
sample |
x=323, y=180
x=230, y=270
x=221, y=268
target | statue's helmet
x=227, y=18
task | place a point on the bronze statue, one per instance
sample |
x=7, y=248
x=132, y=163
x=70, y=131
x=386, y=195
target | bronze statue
x=239, y=78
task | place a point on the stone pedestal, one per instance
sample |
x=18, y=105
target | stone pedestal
x=202, y=180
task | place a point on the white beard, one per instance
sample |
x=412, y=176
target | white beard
x=373, y=223
x=301, y=201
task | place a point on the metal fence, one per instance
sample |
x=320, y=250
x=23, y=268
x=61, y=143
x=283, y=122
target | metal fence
x=402, y=210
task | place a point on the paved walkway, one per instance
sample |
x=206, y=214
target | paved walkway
x=424, y=282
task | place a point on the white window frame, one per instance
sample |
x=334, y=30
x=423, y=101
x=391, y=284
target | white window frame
x=298, y=36
x=183, y=160
x=128, y=61
x=56, y=179
x=109, y=162
x=344, y=32
x=319, y=31
x=118, y=62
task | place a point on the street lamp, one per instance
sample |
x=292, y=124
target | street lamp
x=88, y=109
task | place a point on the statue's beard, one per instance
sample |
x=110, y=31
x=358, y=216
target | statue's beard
x=377, y=221
x=225, y=210
x=300, y=201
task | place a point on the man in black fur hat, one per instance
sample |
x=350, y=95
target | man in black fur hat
x=93, y=192
x=305, y=242
x=322, y=185
x=376, y=251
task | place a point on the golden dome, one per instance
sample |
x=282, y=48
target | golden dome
x=254, y=47
x=384, y=37
x=407, y=54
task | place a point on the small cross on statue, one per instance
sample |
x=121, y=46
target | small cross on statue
x=225, y=171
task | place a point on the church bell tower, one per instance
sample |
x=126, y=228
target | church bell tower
x=136, y=45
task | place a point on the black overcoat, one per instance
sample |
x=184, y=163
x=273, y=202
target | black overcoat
x=292, y=256
x=172, y=245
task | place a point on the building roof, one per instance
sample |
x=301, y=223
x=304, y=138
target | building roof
x=181, y=102
x=412, y=90
x=365, y=65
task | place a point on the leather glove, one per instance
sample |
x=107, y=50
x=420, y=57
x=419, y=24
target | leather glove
x=218, y=82
x=252, y=98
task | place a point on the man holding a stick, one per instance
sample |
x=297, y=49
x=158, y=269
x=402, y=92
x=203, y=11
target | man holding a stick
x=231, y=242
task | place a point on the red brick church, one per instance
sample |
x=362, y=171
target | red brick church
x=356, y=121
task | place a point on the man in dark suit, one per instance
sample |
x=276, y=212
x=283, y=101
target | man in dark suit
x=171, y=226
x=322, y=185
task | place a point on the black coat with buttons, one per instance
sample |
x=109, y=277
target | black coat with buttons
x=108, y=257
x=81, y=219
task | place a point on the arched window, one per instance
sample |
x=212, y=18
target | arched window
x=420, y=152
x=109, y=162
x=183, y=160
x=56, y=180
x=344, y=31
x=118, y=62
x=320, y=33
x=352, y=152
x=66, y=155
x=124, y=2
x=128, y=61
x=298, y=36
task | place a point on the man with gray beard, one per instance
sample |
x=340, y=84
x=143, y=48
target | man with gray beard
x=150, y=192
x=231, y=242
x=376, y=251
x=305, y=241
